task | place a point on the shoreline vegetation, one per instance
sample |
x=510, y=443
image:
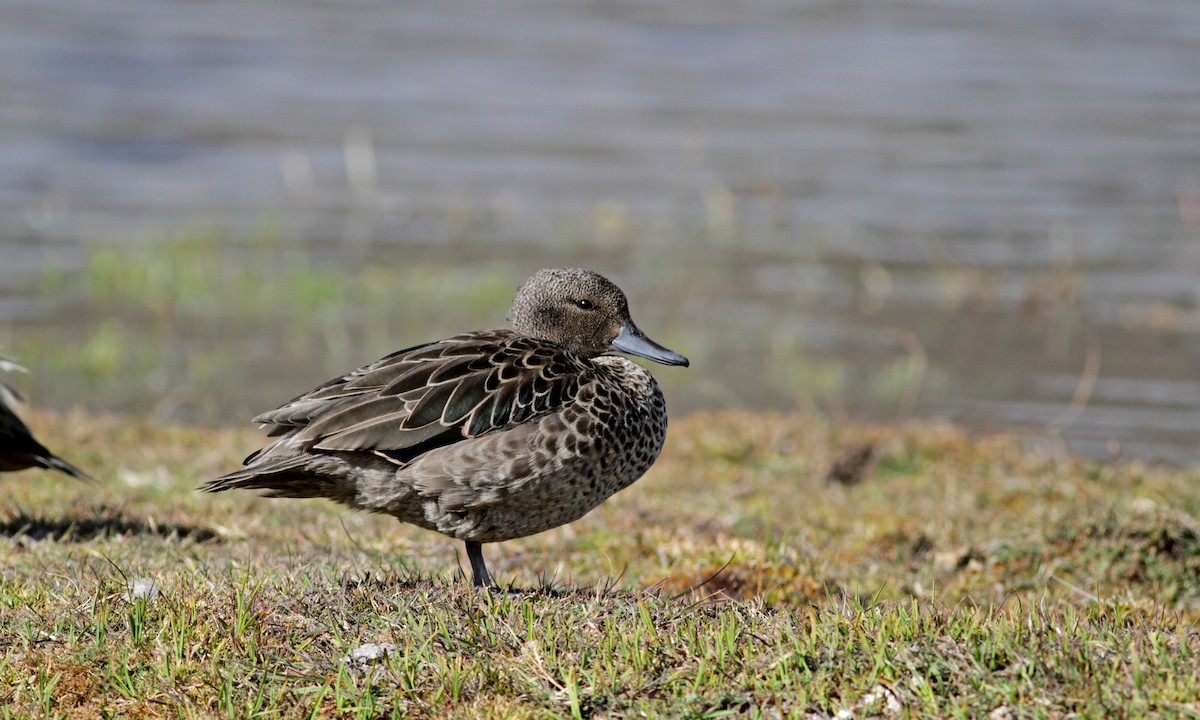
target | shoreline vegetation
x=212, y=322
x=769, y=565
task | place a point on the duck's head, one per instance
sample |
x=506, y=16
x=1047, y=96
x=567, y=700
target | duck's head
x=584, y=312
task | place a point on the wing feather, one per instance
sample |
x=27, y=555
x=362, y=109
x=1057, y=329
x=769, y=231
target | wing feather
x=408, y=401
x=430, y=407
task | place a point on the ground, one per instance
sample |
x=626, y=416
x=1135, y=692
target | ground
x=769, y=565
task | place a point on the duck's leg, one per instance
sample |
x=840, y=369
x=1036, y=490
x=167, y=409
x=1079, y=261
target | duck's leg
x=478, y=568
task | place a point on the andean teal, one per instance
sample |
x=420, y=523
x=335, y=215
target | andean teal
x=485, y=436
x=19, y=449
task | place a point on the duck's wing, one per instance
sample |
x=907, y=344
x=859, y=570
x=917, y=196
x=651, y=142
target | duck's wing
x=431, y=395
x=17, y=445
x=10, y=424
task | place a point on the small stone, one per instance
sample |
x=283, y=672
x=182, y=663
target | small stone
x=368, y=653
x=144, y=590
x=961, y=558
x=1143, y=506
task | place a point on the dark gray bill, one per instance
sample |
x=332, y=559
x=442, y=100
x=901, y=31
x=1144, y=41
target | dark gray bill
x=633, y=341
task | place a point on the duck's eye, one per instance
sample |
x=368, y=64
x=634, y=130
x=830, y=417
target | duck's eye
x=584, y=304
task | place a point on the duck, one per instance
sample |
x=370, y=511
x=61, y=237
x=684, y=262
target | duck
x=19, y=449
x=485, y=436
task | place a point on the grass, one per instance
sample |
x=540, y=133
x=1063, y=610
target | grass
x=948, y=576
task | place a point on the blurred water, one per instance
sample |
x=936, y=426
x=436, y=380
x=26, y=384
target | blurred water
x=999, y=197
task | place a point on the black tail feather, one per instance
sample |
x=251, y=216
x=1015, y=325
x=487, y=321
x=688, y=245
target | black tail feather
x=53, y=462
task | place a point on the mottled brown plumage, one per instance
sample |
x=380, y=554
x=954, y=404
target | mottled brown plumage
x=485, y=436
x=19, y=449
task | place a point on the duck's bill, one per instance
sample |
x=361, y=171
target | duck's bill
x=633, y=341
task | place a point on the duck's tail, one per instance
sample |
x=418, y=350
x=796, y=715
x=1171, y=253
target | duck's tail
x=298, y=476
